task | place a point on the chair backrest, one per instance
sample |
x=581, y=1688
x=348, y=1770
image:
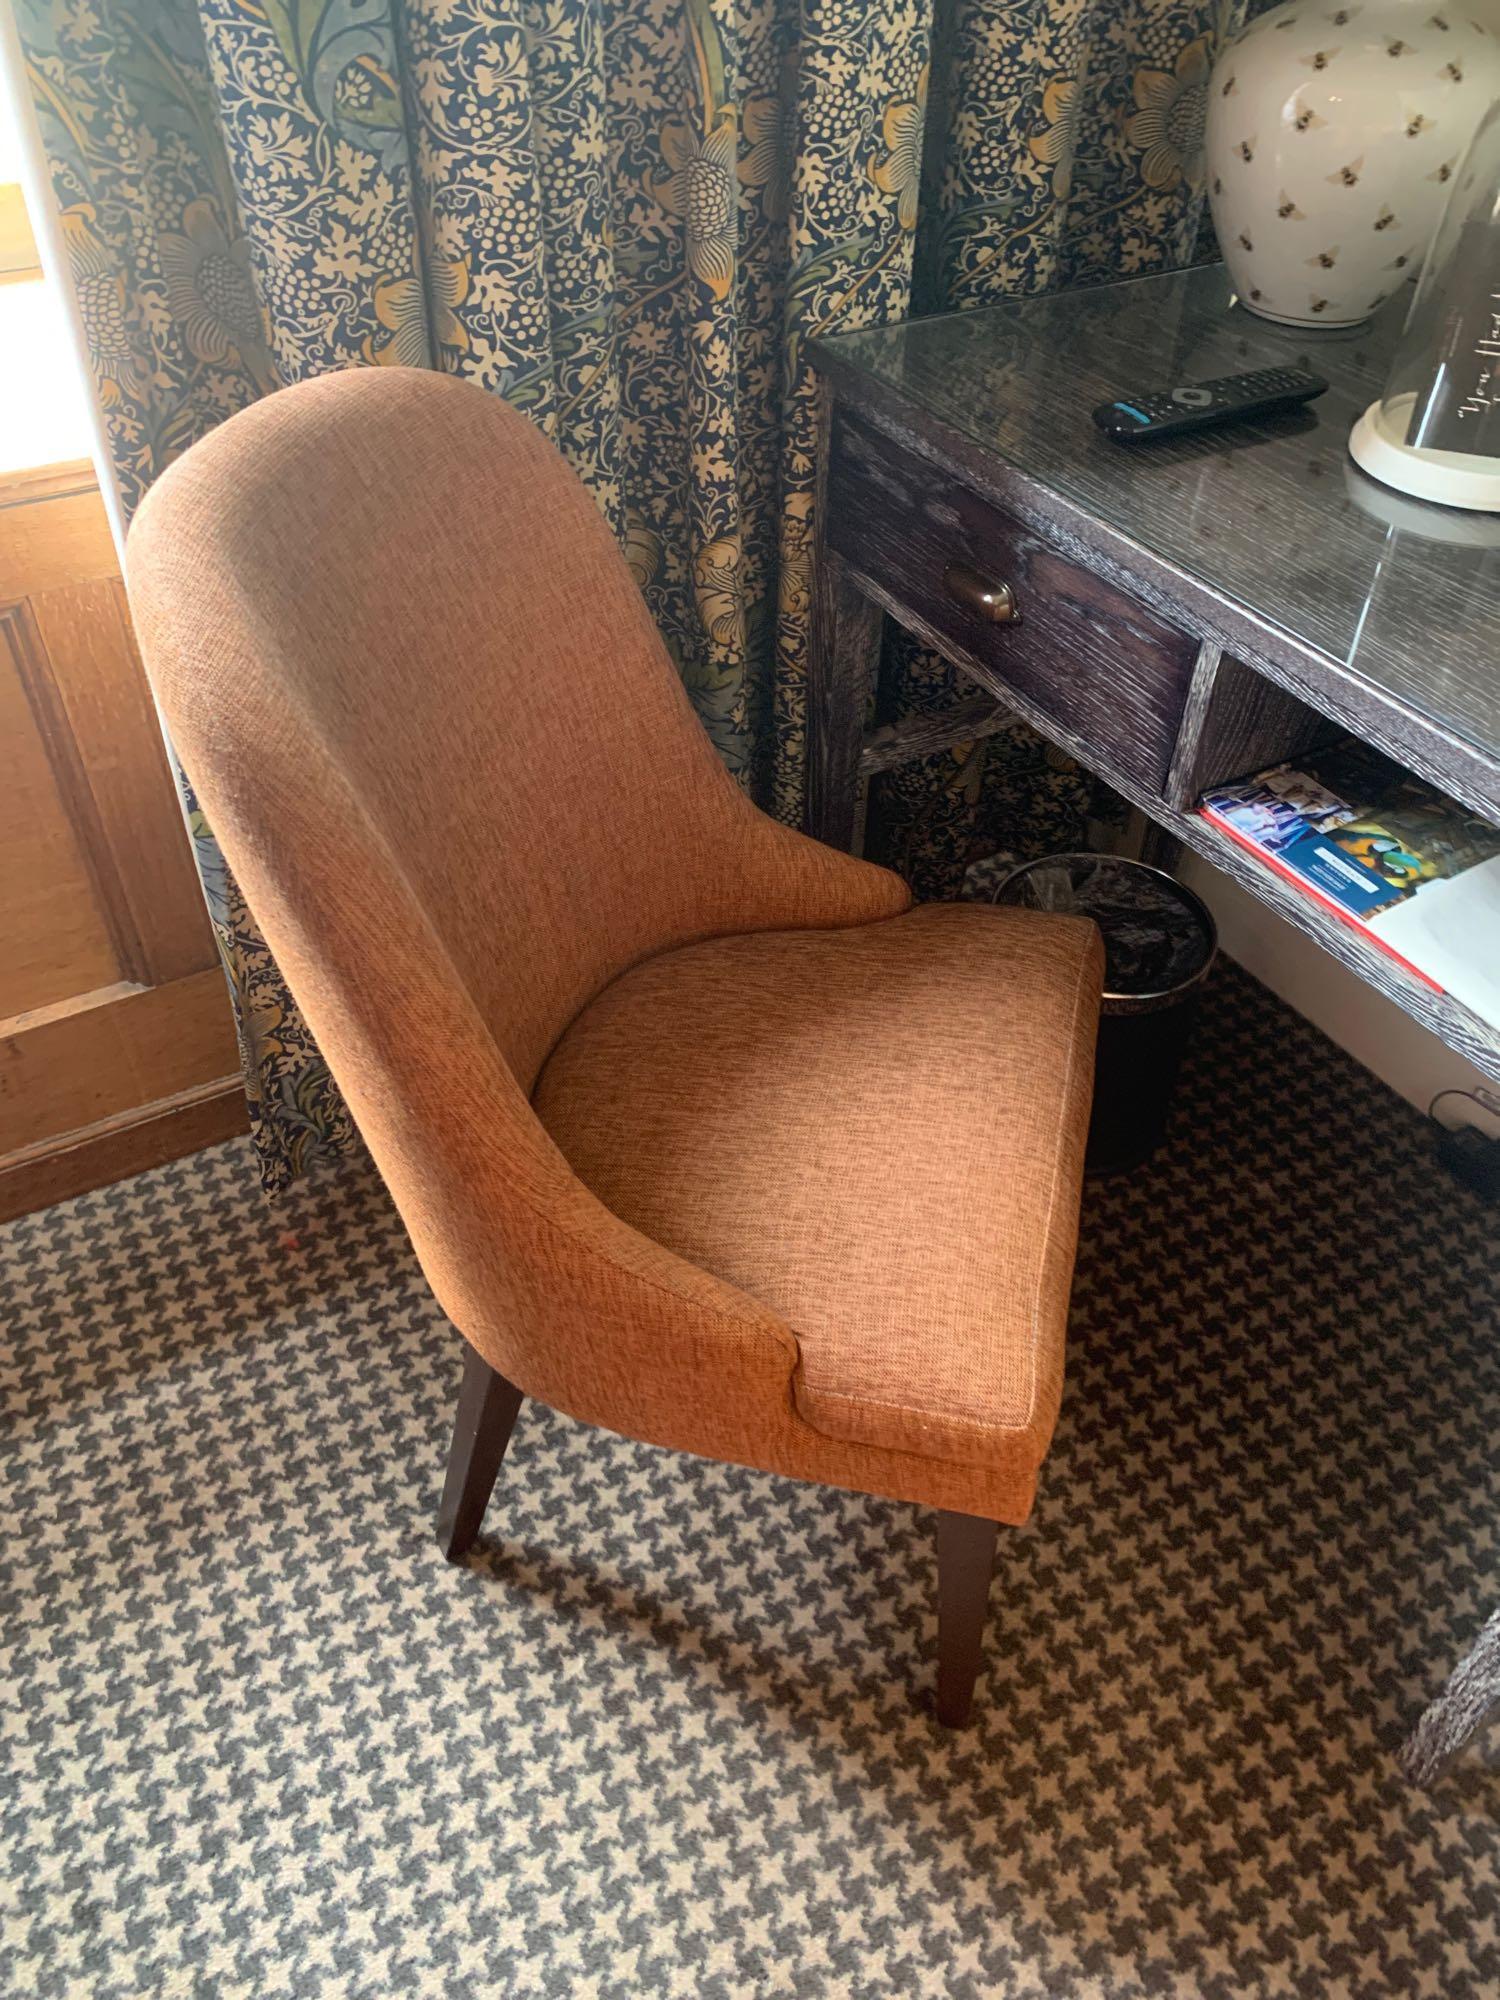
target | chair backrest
x=454, y=769
x=392, y=573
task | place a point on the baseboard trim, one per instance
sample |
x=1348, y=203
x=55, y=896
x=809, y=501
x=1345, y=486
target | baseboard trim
x=129, y=1143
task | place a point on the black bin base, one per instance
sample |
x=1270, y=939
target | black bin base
x=1159, y=944
x=1135, y=1074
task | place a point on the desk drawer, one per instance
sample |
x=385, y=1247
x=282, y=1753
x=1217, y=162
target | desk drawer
x=1106, y=669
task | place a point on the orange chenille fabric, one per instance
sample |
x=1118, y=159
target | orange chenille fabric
x=800, y=1185
x=861, y=1129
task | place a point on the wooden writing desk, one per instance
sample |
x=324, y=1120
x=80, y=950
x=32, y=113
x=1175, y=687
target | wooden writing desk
x=1181, y=613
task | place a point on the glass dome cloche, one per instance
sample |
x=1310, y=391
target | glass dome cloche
x=1435, y=431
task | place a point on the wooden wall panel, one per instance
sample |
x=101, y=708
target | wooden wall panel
x=58, y=940
x=126, y=1047
x=101, y=693
x=117, y=1044
x=53, y=532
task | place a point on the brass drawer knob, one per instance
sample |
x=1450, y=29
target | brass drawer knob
x=994, y=602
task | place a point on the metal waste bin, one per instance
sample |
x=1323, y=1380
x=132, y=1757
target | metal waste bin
x=1159, y=944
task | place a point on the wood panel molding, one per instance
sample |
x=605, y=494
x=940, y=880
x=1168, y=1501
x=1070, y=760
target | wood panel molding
x=47, y=482
x=100, y=691
x=114, y=1148
x=20, y=636
x=53, y=538
x=117, y=1041
x=135, y=1048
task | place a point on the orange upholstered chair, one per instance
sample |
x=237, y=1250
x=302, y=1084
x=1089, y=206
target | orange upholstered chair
x=701, y=1132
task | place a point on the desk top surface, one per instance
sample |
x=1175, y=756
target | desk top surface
x=1273, y=516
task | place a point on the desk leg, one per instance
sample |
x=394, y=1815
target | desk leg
x=844, y=660
x=1160, y=849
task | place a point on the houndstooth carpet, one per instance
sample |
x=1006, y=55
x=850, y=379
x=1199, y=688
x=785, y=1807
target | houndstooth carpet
x=658, y=1738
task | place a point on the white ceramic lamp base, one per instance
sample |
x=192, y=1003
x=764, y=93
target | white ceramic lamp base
x=1455, y=478
x=1332, y=133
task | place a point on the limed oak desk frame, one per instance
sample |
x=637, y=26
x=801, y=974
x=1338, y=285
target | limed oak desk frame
x=1172, y=616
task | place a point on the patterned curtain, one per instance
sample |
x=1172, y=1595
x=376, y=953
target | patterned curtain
x=625, y=216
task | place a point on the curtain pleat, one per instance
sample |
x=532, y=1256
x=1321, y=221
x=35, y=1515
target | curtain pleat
x=628, y=217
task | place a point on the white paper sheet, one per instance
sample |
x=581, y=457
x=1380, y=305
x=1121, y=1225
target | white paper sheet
x=1451, y=930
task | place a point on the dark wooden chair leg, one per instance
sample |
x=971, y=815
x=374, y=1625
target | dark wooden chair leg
x=487, y=1406
x=966, y=1562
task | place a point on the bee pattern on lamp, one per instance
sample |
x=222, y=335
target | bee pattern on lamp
x=1333, y=134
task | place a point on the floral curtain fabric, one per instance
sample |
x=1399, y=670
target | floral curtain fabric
x=627, y=217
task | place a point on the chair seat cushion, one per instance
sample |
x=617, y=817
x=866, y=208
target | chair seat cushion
x=877, y=1132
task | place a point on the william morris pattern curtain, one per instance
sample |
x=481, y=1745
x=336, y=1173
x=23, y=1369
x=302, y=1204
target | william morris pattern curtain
x=625, y=216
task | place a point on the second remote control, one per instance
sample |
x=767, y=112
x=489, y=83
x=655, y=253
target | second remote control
x=1197, y=406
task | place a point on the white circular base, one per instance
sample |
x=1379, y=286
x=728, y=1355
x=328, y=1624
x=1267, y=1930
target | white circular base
x=1453, y=478
x=1293, y=319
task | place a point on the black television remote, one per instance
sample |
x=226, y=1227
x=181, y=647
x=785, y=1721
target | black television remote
x=1197, y=406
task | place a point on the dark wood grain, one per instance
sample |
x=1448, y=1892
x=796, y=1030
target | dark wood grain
x=1281, y=596
x=487, y=1409
x=966, y=1565
x=1458, y=1026
x=1264, y=539
x=844, y=648
x=1085, y=653
x=1236, y=722
x=1160, y=847
x=930, y=731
